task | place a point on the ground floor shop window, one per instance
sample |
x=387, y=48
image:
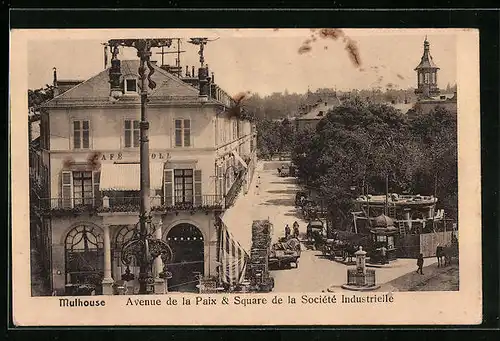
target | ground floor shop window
x=84, y=255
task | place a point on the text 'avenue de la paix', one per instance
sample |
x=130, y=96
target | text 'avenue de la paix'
x=238, y=300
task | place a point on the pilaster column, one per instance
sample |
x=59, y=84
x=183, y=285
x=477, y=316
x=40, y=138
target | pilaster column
x=160, y=284
x=158, y=263
x=107, y=282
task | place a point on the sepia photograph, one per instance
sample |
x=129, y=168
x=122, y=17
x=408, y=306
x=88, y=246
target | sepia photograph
x=311, y=166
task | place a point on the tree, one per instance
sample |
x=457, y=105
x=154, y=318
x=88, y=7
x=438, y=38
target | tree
x=436, y=169
x=355, y=143
x=39, y=96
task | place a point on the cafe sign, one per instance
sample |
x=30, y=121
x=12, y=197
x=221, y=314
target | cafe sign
x=128, y=156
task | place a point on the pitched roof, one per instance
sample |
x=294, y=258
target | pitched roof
x=98, y=87
x=320, y=110
x=426, y=61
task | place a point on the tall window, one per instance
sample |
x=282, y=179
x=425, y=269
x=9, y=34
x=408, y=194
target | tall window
x=82, y=188
x=182, y=133
x=183, y=185
x=132, y=133
x=81, y=134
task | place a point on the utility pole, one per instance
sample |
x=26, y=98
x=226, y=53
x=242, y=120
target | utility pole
x=144, y=247
x=178, y=70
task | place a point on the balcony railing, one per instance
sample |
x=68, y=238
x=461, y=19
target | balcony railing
x=130, y=204
x=235, y=189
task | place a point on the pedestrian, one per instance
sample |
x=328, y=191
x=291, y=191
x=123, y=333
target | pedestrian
x=296, y=229
x=287, y=231
x=279, y=171
x=420, y=263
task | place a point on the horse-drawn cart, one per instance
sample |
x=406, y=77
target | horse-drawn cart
x=285, y=252
x=332, y=249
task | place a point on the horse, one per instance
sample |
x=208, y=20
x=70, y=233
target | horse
x=446, y=252
x=440, y=255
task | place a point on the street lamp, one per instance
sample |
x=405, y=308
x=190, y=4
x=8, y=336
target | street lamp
x=142, y=246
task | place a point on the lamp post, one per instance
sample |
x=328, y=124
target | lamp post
x=143, y=246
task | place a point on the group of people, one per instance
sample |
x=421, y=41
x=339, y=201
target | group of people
x=295, y=231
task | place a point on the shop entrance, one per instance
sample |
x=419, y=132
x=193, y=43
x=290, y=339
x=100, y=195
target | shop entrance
x=187, y=262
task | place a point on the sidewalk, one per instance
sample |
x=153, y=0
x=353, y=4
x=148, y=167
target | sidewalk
x=433, y=279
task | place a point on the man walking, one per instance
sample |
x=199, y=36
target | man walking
x=296, y=229
x=287, y=231
x=420, y=264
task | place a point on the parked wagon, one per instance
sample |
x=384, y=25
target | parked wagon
x=285, y=253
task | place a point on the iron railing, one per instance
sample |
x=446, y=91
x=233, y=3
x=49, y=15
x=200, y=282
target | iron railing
x=235, y=189
x=131, y=204
x=359, y=279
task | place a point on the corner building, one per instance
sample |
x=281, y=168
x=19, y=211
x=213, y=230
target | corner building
x=202, y=154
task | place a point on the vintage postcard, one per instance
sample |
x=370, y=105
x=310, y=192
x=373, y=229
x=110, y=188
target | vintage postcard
x=245, y=177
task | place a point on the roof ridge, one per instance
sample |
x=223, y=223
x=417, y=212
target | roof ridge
x=172, y=77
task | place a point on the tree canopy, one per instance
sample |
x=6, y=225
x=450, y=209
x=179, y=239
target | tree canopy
x=358, y=144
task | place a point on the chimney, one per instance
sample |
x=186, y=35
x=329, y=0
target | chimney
x=114, y=78
x=213, y=78
x=54, y=83
x=202, y=78
x=187, y=71
x=192, y=71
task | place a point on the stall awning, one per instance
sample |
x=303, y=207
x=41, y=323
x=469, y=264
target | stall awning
x=239, y=158
x=126, y=177
x=232, y=256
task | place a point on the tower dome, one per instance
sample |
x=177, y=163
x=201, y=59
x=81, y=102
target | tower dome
x=426, y=74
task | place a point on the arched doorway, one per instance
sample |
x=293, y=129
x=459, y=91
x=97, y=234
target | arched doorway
x=187, y=245
x=84, y=256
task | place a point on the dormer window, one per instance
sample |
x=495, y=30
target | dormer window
x=130, y=85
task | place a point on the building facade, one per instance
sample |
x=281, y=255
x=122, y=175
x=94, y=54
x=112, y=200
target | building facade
x=202, y=155
x=312, y=112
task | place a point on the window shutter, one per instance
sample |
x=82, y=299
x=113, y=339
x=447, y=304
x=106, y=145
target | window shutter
x=198, y=197
x=168, y=187
x=67, y=189
x=97, y=193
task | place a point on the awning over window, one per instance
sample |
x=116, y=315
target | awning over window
x=127, y=177
x=239, y=158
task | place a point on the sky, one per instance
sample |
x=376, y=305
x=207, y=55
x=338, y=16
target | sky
x=261, y=60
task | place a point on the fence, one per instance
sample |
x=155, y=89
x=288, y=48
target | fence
x=429, y=242
x=130, y=204
x=359, y=279
x=410, y=246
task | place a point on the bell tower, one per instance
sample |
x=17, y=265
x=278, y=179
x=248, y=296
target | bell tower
x=426, y=74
